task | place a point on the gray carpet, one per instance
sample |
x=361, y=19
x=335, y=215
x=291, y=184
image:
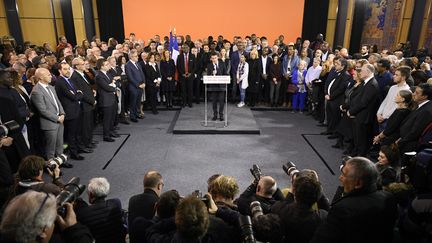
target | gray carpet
x=186, y=161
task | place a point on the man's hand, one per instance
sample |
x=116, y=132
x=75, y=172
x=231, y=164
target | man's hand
x=70, y=218
x=327, y=97
x=61, y=119
x=211, y=204
x=55, y=173
x=142, y=86
x=6, y=141
x=380, y=118
x=169, y=78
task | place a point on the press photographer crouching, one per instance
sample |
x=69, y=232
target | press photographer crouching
x=30, y=217
x=30, y=177
x=263, y=189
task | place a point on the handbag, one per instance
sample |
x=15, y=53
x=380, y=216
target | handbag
x=292, y=88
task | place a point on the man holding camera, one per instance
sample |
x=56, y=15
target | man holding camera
x=264, y=191
x=30, y=217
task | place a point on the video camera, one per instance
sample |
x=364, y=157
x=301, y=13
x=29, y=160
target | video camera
x=71, y=191
x=52, y=163
x=418, y=168
x=256, y=172
x=256, y=209
x=290, y=169
x=8, y=128
x=246, y=231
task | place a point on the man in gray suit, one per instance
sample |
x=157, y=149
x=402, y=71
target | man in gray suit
x=51, y=114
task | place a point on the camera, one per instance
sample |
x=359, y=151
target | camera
x=198, y=194
x=290, y=169
x=8, y=128
x=247, y=235
x=256, y=172
x=256, y=209
x=71, y=191
x=52, y=163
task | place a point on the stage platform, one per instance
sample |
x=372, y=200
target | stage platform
x=191, y=121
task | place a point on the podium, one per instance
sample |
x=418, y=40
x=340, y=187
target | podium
x=224, y=79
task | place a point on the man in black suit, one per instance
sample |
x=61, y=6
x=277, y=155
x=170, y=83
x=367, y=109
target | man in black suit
x=215, y=68
x=413, y=126
x=334, y=93
x=106, y=89
x=186, y=66
x=143, y=205
x=363, y=108
x=70, y=97
x=88, y=102
x=136, y=80
x=264, y=84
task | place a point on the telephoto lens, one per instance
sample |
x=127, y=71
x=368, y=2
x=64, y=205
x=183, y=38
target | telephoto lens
x=256, y=209
x=290, y=169
x=256, y=172
x=71, y=191
x=8, y=128
x=247, y=235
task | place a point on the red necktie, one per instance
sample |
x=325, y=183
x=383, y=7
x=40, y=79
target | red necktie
x=187, y=64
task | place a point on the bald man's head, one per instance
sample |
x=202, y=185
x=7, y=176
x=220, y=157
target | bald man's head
x=266, y=186
x=43, y=75
x=152, y=179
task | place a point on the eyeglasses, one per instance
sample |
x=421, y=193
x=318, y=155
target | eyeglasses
x=41, y=206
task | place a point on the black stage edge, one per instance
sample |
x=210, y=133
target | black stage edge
x=191, y=120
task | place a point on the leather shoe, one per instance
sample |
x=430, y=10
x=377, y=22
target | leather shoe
x=85, y=150
x=124, y=122
x=155, y=112
x=332, y=137
x=214, y=118
x=321, y=125
x=325, y=133
x=134, y=120
x=114, y=135
x=108, y=139
x=94, y=142
x=66, y=165
x=190, y=105
x=140, y=117
x=76, y=157
x=338, y=145
x=221, y=118
x=116, y=128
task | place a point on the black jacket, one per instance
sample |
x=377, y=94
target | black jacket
x=413, y=126
x=365, y=105
x=248, y=196
x=88, y=99
x=106, y=93
x=69, y=97
x=142, y=205
x=366, y=215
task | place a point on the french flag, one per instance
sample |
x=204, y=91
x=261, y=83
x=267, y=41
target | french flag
x=173, y=47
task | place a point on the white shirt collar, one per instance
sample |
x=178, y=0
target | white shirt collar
x=423, y=103
x=367, y=80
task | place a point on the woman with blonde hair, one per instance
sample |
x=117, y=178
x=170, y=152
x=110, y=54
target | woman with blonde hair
x=253, y=77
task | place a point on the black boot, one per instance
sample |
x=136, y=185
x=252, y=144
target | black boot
x=339, y=143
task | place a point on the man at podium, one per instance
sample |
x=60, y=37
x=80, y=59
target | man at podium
x=216, y=68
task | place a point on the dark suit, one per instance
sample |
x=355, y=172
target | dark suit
x=186, y=82
x=151, y=88
x=142, y=205
x=87, y=107
x=337, y=92
x=107, y=101
x=264, y=83
x=217, y=89
x=364, y=107
x=413, y=126
x=70, y=97
x=135, y=75
x=235, y=61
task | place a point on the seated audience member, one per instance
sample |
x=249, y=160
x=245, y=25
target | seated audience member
x=102, y=216
x=413, y=126
x=404, y=106
x=388, y=165
x=30, y=218
x=363, y=213
x=30, y=177
x=158, y=228
x=223, y=190
x=265, y=191
x=143, y=205
x=299, y=220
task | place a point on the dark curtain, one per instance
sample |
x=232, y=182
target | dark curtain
x=68, y=23
x=314, y=18
x=357, y=25
x=416, y=23
x=13, y=21
x=110, y=19
x=89, y=19
x=340, y=23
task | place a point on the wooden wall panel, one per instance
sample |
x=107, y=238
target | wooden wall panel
x=331, y=22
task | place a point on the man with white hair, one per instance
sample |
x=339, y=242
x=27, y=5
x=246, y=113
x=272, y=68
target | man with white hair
x=30, y=218
x=102, y=216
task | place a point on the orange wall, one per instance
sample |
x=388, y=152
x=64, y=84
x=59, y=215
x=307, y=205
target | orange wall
x=201, y=18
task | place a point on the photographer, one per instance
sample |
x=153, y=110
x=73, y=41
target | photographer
x=223, y=190
x=30, y=218
x=103, y=216
x=6, y=177
x=30, y=177
x=299, y=219
x=265, y=191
